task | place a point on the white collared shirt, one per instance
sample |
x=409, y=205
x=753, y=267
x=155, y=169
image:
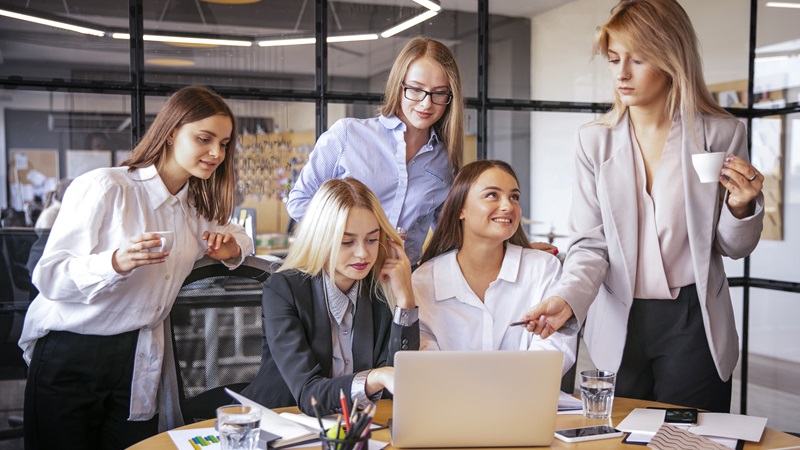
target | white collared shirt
x=79, y=289
x=452, y=317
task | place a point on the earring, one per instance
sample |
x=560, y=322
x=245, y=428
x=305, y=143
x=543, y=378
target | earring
x=169, y=143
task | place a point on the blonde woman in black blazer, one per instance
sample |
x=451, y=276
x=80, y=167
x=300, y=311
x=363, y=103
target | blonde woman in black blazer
x=313, y=346
x=681, y=347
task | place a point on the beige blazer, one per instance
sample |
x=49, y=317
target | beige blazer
x=600, y=267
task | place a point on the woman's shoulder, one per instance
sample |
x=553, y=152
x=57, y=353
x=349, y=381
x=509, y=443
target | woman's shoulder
x=729, y=123
x=531, y=256
x=103, y=179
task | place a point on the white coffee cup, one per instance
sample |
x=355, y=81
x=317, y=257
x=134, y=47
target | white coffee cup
x=167, y=238
x=708, y=165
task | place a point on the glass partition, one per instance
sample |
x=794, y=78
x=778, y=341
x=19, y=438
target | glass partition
x=223, y=43
x=55, y=135
x=365, y=37
x=64, y=41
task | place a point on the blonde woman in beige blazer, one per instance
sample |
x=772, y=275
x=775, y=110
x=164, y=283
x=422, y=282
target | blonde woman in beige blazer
x=644, y=268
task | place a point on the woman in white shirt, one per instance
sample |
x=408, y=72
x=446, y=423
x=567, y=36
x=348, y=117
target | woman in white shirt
x=94, y=337
x=479, y=272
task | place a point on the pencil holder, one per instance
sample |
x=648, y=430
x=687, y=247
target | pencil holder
x=354, y=443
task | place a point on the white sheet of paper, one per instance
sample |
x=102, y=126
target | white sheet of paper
x=181, y=438
x=274, y=423
x=734, y=426
x=642, y=420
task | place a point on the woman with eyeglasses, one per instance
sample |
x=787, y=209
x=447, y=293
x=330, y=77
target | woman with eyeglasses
x=407, y=155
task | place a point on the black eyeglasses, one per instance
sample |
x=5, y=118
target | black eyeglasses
x=418, y=95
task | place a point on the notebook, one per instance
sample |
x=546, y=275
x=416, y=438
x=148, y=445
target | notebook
x=475, y=399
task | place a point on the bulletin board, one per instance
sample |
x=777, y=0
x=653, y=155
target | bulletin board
x=24, y=161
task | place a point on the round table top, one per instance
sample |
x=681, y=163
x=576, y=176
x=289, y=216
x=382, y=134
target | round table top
x=771, y=439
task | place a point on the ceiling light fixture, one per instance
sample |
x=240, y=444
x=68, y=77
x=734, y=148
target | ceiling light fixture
x=409, y=23
x=186, y=40
x=282, y=42
x=308, y=41
x=52, y=23
x=231, y=2
x=779, y=5
x=429, y=4
x=353, y=38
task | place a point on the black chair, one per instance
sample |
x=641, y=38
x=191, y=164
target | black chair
x=216, y=333
x=19, y=253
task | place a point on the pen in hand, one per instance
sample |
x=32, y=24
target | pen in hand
x=525, y=322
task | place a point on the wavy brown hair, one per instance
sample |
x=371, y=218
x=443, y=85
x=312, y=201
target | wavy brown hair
x=449, y=232
x=660, y=32
x=214, y=198
x=450, y=127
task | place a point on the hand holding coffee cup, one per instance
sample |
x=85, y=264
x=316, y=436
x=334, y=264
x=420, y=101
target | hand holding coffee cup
x=151, y=247
x=166, y=238
x=708, y=165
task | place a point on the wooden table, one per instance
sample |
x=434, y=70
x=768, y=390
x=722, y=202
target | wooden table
x=771, y=439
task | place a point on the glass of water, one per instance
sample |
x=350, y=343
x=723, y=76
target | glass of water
x=597, y=393
x=239, y=427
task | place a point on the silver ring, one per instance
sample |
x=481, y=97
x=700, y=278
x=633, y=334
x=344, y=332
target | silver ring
x=755, y=174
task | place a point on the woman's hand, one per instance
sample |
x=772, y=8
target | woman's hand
x=545, y=247
x=221, y=246
x=135, y=253
x=743, y=183
x=547, y=317
x=397, y=271
x=378, y=379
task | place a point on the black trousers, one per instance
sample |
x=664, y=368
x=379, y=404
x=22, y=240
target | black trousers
x=78, y=393
x=666, y=356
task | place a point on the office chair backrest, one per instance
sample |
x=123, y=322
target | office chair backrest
x=16, y=292
x=216, y=333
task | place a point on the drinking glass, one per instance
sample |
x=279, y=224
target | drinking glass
x=597, y=393
x=239, y=427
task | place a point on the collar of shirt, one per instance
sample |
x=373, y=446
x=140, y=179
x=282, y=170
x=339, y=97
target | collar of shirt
x=338, y=300
x=157, y=191
x=445, y=288
x=393, y=122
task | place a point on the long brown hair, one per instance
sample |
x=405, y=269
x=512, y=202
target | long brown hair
x=450, y=127
x=449, y=232
x=214, y=198
x=660, y=32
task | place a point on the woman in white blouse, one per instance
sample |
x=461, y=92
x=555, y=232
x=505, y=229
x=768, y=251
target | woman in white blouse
x=94, y=336
x=479, y=272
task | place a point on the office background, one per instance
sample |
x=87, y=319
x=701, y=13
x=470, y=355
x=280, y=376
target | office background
x=528, y=74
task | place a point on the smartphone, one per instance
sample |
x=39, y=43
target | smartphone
x=686, y=416
x=588, y=433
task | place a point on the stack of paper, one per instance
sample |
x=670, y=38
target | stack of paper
x=720, y=427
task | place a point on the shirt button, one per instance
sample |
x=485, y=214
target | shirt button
x=345, y=332
x=141, y=355
x=404, y=341
x=167, y=277
x=347, y=362
x=159, y=308
x=404, y=347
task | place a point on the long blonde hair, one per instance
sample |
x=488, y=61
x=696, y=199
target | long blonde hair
x=660, y=32
x=214, y=198
x=450, y=127
x=319, y=235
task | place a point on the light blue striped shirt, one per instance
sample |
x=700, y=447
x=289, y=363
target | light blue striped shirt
x=374, y=152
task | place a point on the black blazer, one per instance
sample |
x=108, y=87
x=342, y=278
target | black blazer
x=297, y=352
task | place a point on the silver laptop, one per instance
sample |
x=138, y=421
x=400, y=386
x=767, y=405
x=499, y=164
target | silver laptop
x=475, y=399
